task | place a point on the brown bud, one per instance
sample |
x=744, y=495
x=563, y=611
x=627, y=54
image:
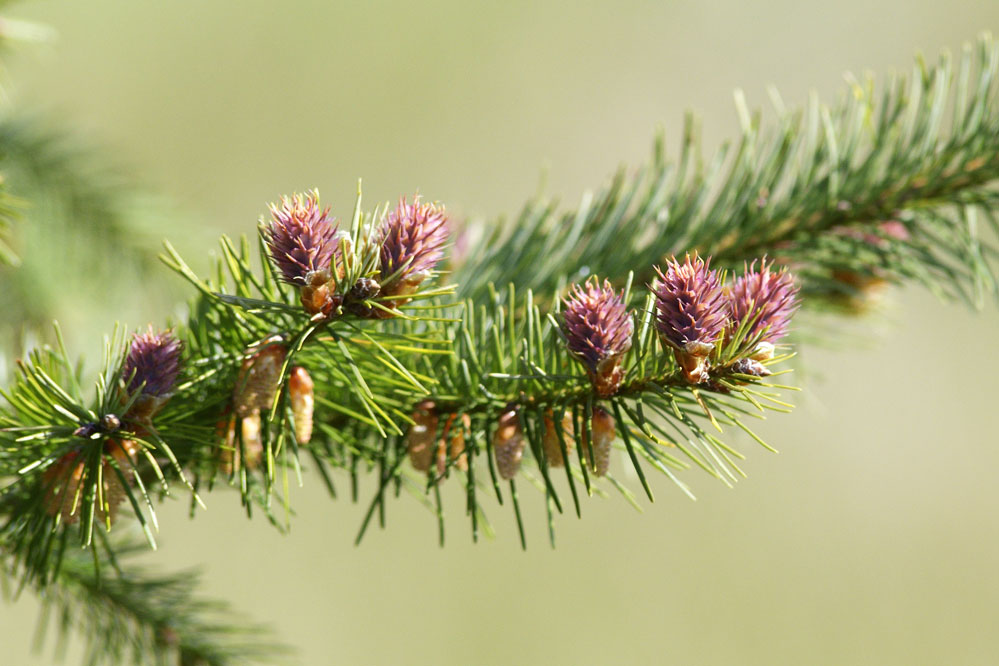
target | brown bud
x=602, y=427
x=420, y=440
x=456, y=434
x=749, y=366
x=553, y=451
x=694, y=366
x=300, y=390
x=319, y=295
x=363, y=289
x=259, y=377
x=508, y=443
x=607, y=376
x=64, y=478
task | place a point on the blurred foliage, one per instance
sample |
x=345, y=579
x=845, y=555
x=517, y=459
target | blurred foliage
x=86, y=237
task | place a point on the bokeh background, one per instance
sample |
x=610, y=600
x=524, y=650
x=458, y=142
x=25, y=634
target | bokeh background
x=871, y=539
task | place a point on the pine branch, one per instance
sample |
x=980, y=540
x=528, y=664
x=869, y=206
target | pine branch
x=347, y=347
x=813, y=190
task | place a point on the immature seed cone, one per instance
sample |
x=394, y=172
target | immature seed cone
x=151, y=368
x=602, y=427
x=301, y=237
x=306, y=248
x=598, y=329
x=691, y=312
x=412, y=242
x=553, y=451
x=764, y=301
x=300, y=390
x=63, y=483
x=422, y=435
x=508, y=444
x=259, y=377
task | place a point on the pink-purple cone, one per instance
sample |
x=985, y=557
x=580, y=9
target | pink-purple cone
x=598, y=330
x=152, y=363
x=301, y=237
x=691, y=309
x=412, y=242
x=764, y=300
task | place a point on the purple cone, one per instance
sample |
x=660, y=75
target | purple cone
x=412, y=237
x=691, y=309
x=153, y=363
x=766, y=300
x=301, y=237
x=596, y=323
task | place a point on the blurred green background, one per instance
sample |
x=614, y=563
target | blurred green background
x=871, y=539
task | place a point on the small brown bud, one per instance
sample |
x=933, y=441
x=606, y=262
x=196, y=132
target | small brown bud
x=319, y=295
x=553, y=451
x=300, y=390
x=693, y=361
x=602, y=427
x=258, y=377
x=508, y=443
x=420, y=440
x=363, y=289
x=63, y=480
x=749, y=366
x=110, y=423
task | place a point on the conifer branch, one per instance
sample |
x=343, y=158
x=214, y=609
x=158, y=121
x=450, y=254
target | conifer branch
x=343, y=344
x=889, y=184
